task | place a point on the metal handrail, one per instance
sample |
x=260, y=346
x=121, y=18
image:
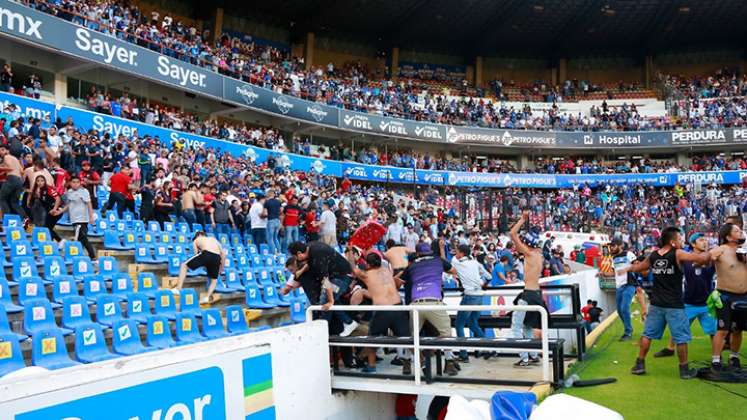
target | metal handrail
x=415, y=318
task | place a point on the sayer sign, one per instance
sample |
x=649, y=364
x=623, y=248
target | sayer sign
x=196, y=395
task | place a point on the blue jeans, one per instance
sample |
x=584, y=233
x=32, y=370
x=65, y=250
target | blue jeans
x=259, y=236
x=519, y=330
x=273, y=241
x=623, y=298
x=469, y=319
x=340, y=287
x=190, y=217
x=222, y=228
x=291, y=235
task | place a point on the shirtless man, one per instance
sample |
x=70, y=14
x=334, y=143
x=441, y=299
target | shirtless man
x=38, y=168
x=731, y=283
x=523, y=323
x=189, y=200
x=382, y=291
x=10, y=192
x=396, y=255
x=209, y=254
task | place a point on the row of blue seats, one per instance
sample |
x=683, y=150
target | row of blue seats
x=55, y=267
x=30, y=289
x=50, y=351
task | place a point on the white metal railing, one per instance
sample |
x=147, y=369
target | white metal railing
x=416, y=347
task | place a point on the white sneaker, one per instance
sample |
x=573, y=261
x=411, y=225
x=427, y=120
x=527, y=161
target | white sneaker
x=175, y=291
x=348, y=329
x=61, y=244
x=205, y=300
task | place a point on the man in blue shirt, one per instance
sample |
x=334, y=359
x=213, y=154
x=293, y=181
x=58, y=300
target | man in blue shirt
x=499, y=272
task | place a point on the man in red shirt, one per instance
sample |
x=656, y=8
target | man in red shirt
x=345, y=185
x=121, y=188
x=90, y=179
x=311, y=223
x=291, y=218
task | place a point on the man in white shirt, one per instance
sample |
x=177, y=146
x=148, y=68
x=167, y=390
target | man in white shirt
x=472, y=275
x=259, y=223
x=410, y=239
x=394, y=231
x=328, y=231
x=625, y=289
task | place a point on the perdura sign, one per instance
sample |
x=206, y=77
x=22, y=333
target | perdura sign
x=42, y=29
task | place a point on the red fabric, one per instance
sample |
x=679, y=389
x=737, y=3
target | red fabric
x=345, y=185
x=367, y=235
x=120, y=184
x=310, y=217
x=292, y=214
x=61, y=178
x=405, y=405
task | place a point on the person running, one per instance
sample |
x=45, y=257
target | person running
x=80, y=212
x=382, y=291
x=209, y=254
x=524, y=323
x=12, y=187
x=698, y=286
x=42, y=201
x=473, y=277
x=667, y=304
x=731, y=273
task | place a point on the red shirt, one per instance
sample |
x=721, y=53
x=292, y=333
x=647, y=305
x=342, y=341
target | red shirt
x=345, y=185
x=292, y=214
x=61, y=177
x=311, y=217
x=121, y=184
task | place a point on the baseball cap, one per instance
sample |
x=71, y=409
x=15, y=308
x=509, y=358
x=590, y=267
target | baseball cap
x=85, y=162
x=694, y=237
x=423, y=248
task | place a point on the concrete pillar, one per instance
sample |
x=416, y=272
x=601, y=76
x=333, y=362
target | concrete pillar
x=648, y=71
x=309, y=57
x=218, y=24
x=683, y=160
x=394, y=70
x=562, y=70
x=478, y=71
x=60, y=88
x=554, y=76
x=469, y=74
x=523, y=162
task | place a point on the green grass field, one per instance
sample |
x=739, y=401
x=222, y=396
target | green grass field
x=660, y=393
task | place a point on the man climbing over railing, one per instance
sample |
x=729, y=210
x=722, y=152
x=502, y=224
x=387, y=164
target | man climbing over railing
x=523, y=323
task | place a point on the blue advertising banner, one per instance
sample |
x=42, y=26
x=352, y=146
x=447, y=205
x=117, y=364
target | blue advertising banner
x=28, y=107
x=395, y=127
x=194, y=395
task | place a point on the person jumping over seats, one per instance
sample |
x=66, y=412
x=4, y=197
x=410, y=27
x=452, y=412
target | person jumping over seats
x=209, y=254
x=382, y=290
x=667, y=303
x=524, y=323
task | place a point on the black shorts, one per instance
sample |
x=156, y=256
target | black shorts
x=733, y=316
x=533, y=297
x=207, y=259
x=383, y=321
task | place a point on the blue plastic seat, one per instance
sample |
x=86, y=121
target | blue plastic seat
x=108, y=310
x=254, y=298
x=221, y=287
x=121, y=285
x=93, y=286
x=189, y=302
x=233, y=279
x=212, y=324
x=252, y=249
x=5, y=299
x=54, y=267
x=12, y=220
x=90, y=346
x=32, y=289
x=180, y=238
x=75, y=312
x=284, y=299
x=48, y=350
x=161, y=253
x=264, y=250
x=38, y=315
x=256, y=260
x=143, y=254
x=11, y=357
x=126, y=338
x=270, y=295
x=159, y=332
x=147, y=237
x=138, y=307
x=25, y=268
x=14, y=234
x=182, y=227
x=174, y=264
x=235, y=320
x=129, y=240
x=82, y=266
x=63, y=287
x=298, y=310
x=112, y=241
x=48, y=249
x=165, y=304
x=138, y=225
x=224, y=239
x=186, y=329
x=264, y=278
x=73, y=249
x=169, y=227
x=146, y=284
x=248, y=278
x=40, y=235
x=154, y=226
x=5, y=326
x=108, y=267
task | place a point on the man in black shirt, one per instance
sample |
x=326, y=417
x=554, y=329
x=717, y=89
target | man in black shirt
x=327, y=269
x=667, y=304
x=272, y=209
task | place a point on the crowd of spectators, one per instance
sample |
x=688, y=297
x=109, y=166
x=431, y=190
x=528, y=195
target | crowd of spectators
x=355, y=87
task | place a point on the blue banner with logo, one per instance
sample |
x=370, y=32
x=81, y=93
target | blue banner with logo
x=194, y=395
x=27, y=107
